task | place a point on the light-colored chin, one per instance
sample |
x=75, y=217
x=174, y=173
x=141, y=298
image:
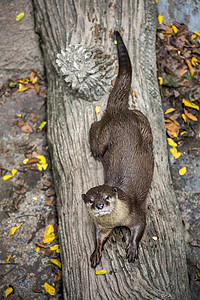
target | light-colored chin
x=106, y=210
x=100, y=213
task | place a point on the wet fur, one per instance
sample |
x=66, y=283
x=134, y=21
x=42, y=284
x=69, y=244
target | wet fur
x=122, y=141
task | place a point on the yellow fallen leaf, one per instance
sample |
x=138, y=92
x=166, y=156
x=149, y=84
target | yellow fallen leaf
x=175, y=153
x=190, y=67
x=6, y=177
x=101, y=272
x=49, y=230
x=25, y=161
x=171, y=142
x=174, y=134
x=13, y=229
x=183, y=132
x=55, y=247
x=49, y=235
x=190, y=104
x=8, y=258
x=34, y=80
x=37, y=249
x=193, y=37
x=42, y=167
x=49, y=289
x=14, y=171
x=97, y=110
x=174, y=29
x=49, y=239
x=169, y=110
x=22, y=88
x=20, y=16
x=160, y=19
x=195, y=32
x=160, y=80
x=115, y=42
x=154, y=238
x=134, y=93
x=35, y=198
x=56, y=262
x=156, y=2
x=42, y=159
x=24, y=80
x=194, y=61
x=182, y=171
x=19, y=115
x=184, y=118
x=8, y=291
x=42, y=125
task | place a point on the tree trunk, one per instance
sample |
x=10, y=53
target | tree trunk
x=79, y=79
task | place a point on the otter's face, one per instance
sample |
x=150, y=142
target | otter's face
x=100, y=200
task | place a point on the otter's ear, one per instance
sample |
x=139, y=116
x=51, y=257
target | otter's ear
x=114, y=189
x=84, y=197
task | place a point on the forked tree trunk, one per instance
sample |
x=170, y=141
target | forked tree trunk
x=160, y=272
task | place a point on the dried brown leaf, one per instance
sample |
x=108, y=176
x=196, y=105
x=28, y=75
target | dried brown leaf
x=30, y=86
x=32, y=76
x=172, y=127
x=23, y=190
x=21, y=123
x=27, y=128
x=33, y=161
x=46, y=252
x=42, y=93
x=58, y=276
x=15, y=203
x=41, y=104
x=47, y=182
x=35, y=289
x=41, y=245
x=50, y=201
x=33, y=117
x=180, y=42
x=187, y=83
x=182, y=70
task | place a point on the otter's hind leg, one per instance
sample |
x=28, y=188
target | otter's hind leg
x=132, y=248
x=101, y=237
x=98, y=138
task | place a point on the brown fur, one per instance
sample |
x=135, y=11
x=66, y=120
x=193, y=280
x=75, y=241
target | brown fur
x=122, y=141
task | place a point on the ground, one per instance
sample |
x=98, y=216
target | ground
x=28, y=196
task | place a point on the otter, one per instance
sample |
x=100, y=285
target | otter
x=122, y=140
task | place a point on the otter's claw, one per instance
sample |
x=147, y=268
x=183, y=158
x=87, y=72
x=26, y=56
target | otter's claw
x=131, y=252
x=95, y=259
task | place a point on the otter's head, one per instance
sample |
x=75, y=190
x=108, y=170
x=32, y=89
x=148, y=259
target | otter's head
x=100, y=200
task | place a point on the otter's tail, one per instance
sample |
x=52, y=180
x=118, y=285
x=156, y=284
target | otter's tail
x=118, y=99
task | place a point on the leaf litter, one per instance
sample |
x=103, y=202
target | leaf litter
x=28, y=122
x=178, y=59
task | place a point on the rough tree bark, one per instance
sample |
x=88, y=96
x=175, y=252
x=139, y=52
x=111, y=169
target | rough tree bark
x=160, y=272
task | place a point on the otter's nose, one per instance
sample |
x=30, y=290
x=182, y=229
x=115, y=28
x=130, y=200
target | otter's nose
x=100, y=205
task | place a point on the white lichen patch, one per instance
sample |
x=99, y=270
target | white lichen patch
x=87, y=71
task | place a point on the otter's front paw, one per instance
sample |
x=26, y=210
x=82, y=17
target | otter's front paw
x=95, y=258
x=131, y=252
